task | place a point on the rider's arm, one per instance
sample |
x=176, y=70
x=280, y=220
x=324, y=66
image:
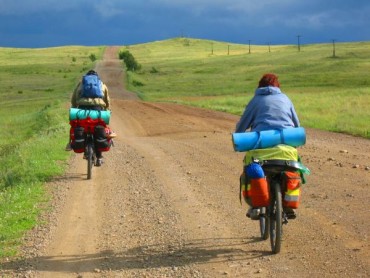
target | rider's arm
x=106, y=97
x=295, y=117
x=246, y=119
x=75, y=96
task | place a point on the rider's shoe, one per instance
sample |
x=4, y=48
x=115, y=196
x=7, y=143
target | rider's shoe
x=112, y=134
x=290, y=213
x=253, y=213
x=68, y=147
x=99, y=162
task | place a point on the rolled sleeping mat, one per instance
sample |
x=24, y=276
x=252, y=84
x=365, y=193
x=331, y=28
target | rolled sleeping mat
x=81, y=114
x=295, y=137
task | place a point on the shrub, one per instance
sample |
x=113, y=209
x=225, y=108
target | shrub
x=92, y=57
x=129, y=60
x=153, y=70
x=137, y=83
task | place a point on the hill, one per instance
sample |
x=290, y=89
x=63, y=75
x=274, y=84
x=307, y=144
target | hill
x=330, y=92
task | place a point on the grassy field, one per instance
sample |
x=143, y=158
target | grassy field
x=331, y=93
x=36, y=86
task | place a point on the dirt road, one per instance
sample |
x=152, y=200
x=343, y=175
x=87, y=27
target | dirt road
x=165, y=203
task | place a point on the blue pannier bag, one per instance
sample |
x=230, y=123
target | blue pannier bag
x=92, y=87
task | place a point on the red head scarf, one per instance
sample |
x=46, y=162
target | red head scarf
x=269, y=79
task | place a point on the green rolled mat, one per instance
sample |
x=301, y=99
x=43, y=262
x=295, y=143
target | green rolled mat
x=81, y=114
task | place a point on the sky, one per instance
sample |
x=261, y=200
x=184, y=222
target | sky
x=48, y=23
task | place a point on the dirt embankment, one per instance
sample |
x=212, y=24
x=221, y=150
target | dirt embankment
x=165, y=203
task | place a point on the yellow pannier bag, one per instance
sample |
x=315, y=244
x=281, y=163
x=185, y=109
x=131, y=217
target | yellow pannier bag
x=281, y=152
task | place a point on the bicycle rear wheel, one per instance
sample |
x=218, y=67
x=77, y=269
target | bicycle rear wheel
x=90, y=160
x=275, y=218
x=264, y=224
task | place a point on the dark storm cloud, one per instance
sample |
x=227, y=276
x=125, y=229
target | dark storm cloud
x=44, y=23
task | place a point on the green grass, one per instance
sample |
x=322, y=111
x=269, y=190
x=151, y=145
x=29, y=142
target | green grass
x=36, y=85
x=330, y=93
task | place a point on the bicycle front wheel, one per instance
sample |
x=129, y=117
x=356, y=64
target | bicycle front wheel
x=276, y=218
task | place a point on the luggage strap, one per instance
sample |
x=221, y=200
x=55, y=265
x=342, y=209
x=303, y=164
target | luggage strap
x=286, y=165
x=279, y=162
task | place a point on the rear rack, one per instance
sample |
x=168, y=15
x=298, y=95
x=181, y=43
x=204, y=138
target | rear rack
x=277, y=165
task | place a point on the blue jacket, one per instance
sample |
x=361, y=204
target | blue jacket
x=268, y=109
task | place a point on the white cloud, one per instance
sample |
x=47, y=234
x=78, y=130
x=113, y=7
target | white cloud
x=106, y=8
x=247, y=6
x=110, y=8
x=311, y=14
x=329, y=18
x=14, y=7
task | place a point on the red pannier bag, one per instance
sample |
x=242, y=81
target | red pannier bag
x=77, y=138
x=102, y=141
x=79, y=129
x=259, y=192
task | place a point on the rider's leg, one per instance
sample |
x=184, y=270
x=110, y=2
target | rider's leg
x=290, y=213
x=68, y=147
x=99, y=158
x=253, y=213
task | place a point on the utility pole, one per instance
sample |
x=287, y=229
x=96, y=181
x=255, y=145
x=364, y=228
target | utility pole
x=299, y=43
x=249, y=42
x=333, y=48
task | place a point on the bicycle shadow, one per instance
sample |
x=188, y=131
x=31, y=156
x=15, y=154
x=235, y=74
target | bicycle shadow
x=68, y=178
x=195, y=252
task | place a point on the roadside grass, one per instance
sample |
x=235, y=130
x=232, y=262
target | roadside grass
x=36, y=85
x=329, y=93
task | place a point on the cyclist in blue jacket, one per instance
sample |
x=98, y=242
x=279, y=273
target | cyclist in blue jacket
x=269, y=109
